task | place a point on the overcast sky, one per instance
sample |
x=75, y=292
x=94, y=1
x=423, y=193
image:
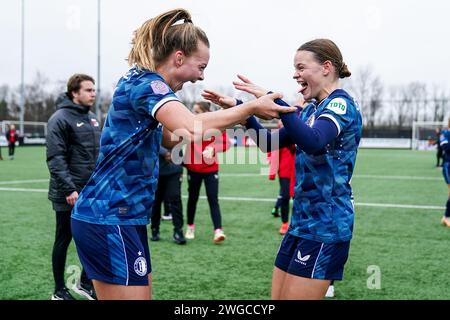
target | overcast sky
x=403, y=40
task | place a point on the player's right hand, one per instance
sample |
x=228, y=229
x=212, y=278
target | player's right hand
x=265, y=107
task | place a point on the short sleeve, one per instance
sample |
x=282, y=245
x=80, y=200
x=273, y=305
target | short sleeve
x=150, y=95
x=340, y=111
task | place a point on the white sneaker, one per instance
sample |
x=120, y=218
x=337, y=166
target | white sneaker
x=330, y=292
x=219, y=236
x=190, y=233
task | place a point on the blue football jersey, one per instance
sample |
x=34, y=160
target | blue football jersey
x=323, y=202
x=444, y=139
x=122, y=187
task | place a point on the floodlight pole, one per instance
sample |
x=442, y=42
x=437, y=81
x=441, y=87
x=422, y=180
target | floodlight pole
x=22, y=72
x=98, y=100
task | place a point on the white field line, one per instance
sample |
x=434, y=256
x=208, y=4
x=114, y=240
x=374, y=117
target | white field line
x=383, y=205
x=363, y=176
x=23, y=181
x=23, y=190
x=247, y=199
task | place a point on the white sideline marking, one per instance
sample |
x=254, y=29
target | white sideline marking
x=23, y=190
x=403, y=206
x=396, y=177
x=383, y=205
x=23, y=181
x=364, y=176
x=362, y=204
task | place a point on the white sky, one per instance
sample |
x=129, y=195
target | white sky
x=403, y=40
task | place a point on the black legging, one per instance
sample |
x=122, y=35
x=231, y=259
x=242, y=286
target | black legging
x=63, y=236
x=212, y=192
x=11, y=147
x=169, y=191
x=284, y=198
x=439, y=154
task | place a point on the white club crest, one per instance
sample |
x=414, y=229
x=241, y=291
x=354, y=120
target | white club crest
x=140, y=266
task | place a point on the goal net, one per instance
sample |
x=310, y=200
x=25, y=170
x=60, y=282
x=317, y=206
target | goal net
x=33, y=132
x=424, y=134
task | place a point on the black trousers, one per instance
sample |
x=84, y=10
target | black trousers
x=169, y=191
x=11, y=147
x=63, y=236
x=284, y=198
x=439, y=158
x=211, y=180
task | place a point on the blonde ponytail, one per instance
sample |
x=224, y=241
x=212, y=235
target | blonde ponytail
x=158, y=37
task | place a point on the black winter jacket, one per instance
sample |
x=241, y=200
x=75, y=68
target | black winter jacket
x=73, y=142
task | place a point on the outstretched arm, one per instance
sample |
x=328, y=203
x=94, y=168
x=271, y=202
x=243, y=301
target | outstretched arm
x=265, y=140
x=309, y=139
x=179, y=120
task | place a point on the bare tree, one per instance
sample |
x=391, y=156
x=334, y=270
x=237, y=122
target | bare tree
x=400, y=101
x=39, y=101
x=439, y=104
x=418, y=96
x=368, y=90
x=4, y=93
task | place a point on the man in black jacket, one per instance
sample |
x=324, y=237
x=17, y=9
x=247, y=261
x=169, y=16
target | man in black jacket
x=73, y=142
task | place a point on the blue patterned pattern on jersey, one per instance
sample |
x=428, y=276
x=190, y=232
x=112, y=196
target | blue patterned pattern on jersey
x=323, y=201
x=122, y=187
x=444, y=139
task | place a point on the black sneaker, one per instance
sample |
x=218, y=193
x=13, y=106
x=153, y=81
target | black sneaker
x=166, y=217
x=62, y=294
x=86, y=290
x=155, y=235
x=178, y=237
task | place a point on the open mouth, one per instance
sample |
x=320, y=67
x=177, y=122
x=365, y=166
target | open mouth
x=303, y=86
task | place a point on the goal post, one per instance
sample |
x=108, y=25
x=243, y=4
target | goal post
x=34, y=132
x=424, y=134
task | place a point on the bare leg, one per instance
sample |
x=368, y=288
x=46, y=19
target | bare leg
x=298, y=288
x=108, y=291
x=278, y=278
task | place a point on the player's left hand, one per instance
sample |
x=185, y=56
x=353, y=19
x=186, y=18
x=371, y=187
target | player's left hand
x=246, y=85
x=219, y=99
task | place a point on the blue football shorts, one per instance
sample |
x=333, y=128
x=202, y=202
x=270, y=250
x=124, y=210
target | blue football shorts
x=312, y=259
x=116, y=254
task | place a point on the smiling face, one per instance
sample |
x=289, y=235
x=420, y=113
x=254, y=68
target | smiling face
x=190, y=68
x=310, y=75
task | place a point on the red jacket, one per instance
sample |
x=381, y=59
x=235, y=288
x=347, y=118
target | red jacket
x=11, y=136
x=194, y=160
x=282, y=162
